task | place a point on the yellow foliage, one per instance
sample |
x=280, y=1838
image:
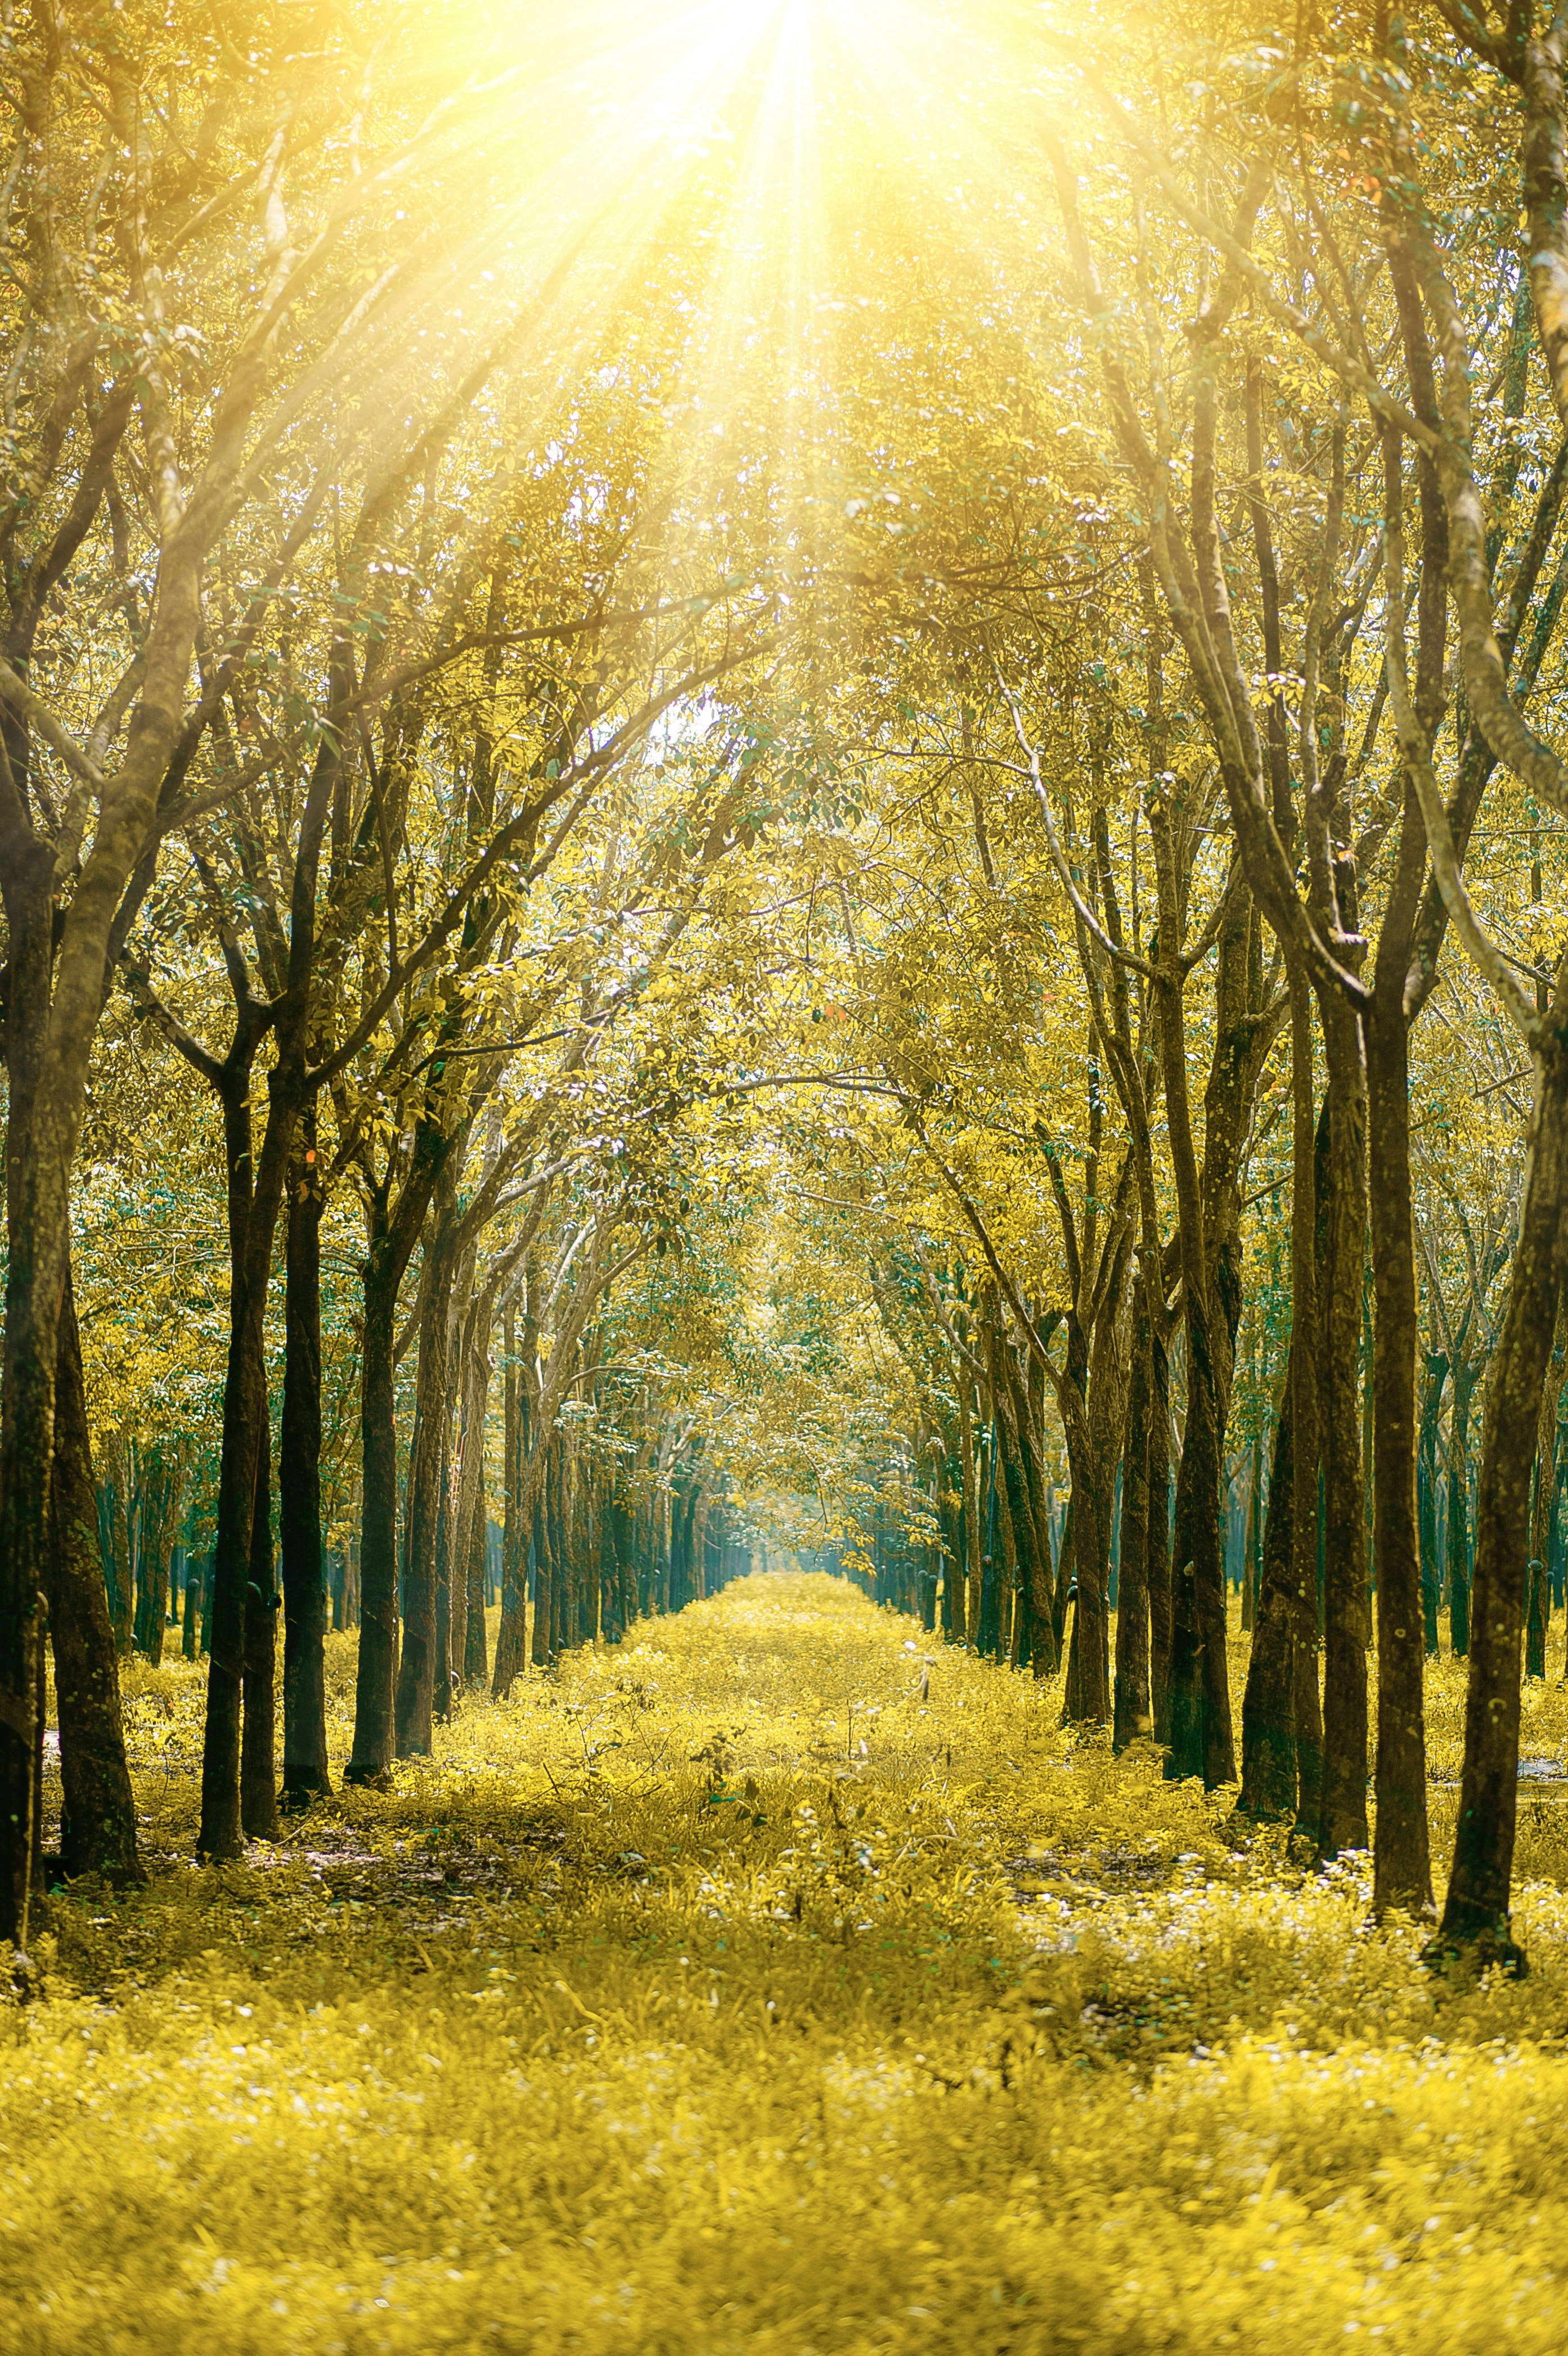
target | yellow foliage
x=773, y=1982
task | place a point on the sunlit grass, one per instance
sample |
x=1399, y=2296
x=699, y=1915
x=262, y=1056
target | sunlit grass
x=658, y=2013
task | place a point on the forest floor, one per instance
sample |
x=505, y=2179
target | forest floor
x=776, y=1983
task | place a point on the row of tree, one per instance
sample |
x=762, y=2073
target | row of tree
x=807, y=866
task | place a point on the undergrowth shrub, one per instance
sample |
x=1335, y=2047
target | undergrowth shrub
x=774, y=1982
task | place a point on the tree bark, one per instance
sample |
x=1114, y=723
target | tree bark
x=1268, y=1703
x=306, y=1774
x=1402, y=1855
x=40, y=1140
x=1342, y=1820
x=1157, y=1557
x=1466, y=1374
x=1031, y=1556
x=392, y=1236
x=98, y=1817
x=1198, y=1694
x=1476, y=1912
x=474, y=1663
x=514, y=1541
x=376, y=1677
x=1436, y=1372
x=1088, y=1698
x=416, y=1669
x=1537, y=1603
x=970, y=1569
x=1307, y=1344
x=258, y=1776
x=244, y=1426
x=1133, y=1718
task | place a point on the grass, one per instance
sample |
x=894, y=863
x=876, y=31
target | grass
x=775, y=1983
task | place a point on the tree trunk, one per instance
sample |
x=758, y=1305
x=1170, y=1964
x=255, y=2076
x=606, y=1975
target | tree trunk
x=258, y=1775
x=1307, y=1346
x=158, y=1519
x=469, y=1519
x=441, y=1678
x=1401, y=1854
x=376, y=1677
x=1030, y=1576
x=1342, y=1821
x=1476, y=1913
x=1436, y=1371
x=474, y=1663
x=237, y=1639
x=305, y=1775
x=594, y=1523
x=540, y=1649
x=1466, y=1373
x=416, y=1670
x=1537, y=1603
x=117, y=1558
x=195, y=1589
x=1002, y=1570
x=1134, y=1715
x=1198, y=1688
x=1088, y=1698
x=1252, y=1537
x=40, y=1140
x=1157, y=1543
x=244, y=1422
x=970, y=1570
x=510, y=1638
x=560, y=1567
x=98, y=1817
x=1268, y=1704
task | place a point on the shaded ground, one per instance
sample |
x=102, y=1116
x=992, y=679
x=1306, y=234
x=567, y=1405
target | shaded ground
x=775, y=1983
